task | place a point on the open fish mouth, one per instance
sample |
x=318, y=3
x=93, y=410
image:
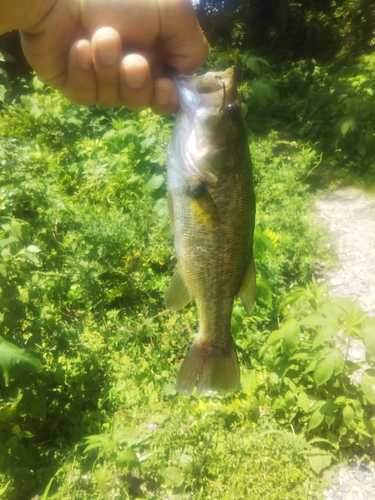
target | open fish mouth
x=212, y=90
x=211, y=203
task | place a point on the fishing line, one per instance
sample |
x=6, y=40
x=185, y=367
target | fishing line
x=208, y=444
x=224, y=92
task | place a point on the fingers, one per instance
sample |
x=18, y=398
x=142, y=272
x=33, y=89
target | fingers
x=106, y=50
x=98, y=73
x=165, y=98
x=136, y=85
x=186, y=45
x=81, y=86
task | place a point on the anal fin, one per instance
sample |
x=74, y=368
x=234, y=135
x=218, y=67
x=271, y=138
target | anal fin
x=177, y=294
x=248, y=286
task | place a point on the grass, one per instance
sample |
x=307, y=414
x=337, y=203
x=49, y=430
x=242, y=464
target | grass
x=89, y=409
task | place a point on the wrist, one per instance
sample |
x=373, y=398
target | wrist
x=22, y=14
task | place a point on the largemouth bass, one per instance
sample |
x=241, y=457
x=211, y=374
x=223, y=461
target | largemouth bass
x=212, y=209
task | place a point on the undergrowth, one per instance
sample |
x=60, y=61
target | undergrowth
x=89, y=354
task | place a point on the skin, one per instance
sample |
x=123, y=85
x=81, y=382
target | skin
x=111, y=52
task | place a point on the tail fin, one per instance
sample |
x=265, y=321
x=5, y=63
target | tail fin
x=211, y=367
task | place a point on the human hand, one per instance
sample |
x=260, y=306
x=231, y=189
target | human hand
x=114, y=51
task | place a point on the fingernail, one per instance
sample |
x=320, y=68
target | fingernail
x=108, y=50
x=84, y=54
x=134, y=73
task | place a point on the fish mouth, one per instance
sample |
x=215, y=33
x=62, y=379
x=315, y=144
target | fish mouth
x=214, y=90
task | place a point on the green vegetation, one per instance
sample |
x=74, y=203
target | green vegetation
x=88, y=353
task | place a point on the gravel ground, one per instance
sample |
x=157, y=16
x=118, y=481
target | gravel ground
x=350, y=217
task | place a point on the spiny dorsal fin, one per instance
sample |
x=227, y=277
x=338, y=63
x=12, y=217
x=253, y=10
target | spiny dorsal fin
x=248, y=286
x=177, y=295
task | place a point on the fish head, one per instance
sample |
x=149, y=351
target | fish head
x=209, y=122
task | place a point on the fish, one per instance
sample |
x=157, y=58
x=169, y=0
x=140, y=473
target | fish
x=211, y=204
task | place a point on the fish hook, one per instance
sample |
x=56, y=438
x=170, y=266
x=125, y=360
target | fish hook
x=224, y=92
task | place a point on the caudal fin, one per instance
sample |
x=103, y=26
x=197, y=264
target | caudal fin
x=210, y=367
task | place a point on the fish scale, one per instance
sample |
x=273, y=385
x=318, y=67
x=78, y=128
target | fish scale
x=212, y=210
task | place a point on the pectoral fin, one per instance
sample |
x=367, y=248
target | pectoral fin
x=248, y=286
x=177, y=294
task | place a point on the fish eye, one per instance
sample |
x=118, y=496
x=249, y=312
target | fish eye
x=232, y=110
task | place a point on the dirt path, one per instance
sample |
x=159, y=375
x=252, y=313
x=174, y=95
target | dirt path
x=350, y=217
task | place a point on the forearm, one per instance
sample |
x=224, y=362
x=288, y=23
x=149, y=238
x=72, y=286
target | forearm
x=22, y=14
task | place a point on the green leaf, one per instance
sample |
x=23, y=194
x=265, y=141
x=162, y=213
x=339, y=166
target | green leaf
x=319, y=460
x=255, y=64
x=329, y=410
x=368, y=331
x=14, y=361
x=30, y=256
x=314, y=320
x=264, y=292
x=109, y=135
x=128, y=131
x=324, y=369
x=316, y=419
x=303, y=401
x=339, y=362
x=16, y=229
x=362, y=148
x=37, y=84
x=97, y=441
x=5, y=56
x=265, y=91
x=155, y=182
x=173, y=476
x=274, y=337
x=3, y=91
x=348, y=415
x=122, y=435
x=368, y=385
x=325, y=334
x=349, y=123
x=33, y=249
x=7, y=241
x=75, y=121
x=291, y=335
x=262, y=242
x=127, y=458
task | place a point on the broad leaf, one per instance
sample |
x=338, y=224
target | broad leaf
x=324, y=369
x=264, y=292
x=347, y=124
x=14, y=361
x=316, y=419
x=173, y=476
x=319, y=460
x=127, y=458
x=325, y=334
x=368, y=385
x=303, y=401
x=348, y=415
x=291, y=335
x=7, y=241
x=155, y=182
